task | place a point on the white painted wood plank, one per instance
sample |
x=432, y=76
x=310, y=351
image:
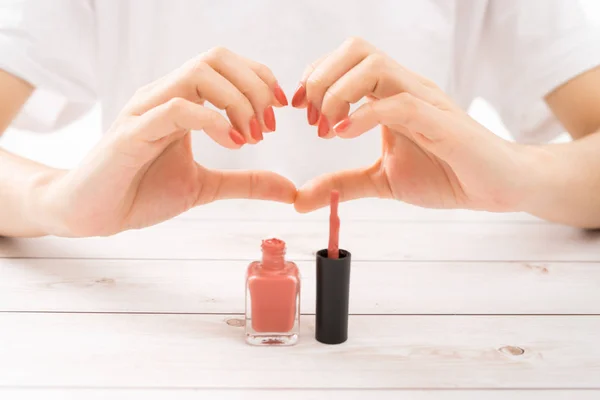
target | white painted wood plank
x=237, y=394
x=364, y=209
x=376, y=287
x=367, y=240
x=390, y=352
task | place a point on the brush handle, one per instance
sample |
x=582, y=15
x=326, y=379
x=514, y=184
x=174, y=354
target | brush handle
x=334, y=227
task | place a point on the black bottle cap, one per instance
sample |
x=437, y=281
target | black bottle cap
x=333, y=292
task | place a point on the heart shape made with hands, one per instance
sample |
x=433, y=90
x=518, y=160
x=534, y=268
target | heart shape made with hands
x=433, y=155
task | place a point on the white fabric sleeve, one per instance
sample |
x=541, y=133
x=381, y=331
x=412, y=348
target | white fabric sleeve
x=52, y=45
x=530, y=48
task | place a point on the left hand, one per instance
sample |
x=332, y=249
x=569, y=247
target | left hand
x=434, y=154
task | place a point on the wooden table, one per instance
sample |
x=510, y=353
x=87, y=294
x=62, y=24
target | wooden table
x=444, y=304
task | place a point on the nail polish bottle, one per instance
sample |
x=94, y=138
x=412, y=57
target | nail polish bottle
x=272, y=298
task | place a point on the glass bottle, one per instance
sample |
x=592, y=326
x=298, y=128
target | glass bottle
x=272, y=298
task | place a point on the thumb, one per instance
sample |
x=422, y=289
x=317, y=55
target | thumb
x=259, y=185
x=351, y=184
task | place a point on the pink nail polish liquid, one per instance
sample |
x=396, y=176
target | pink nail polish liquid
x=272, y=298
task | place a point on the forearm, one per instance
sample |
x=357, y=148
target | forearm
x=566, y=187
x=22, y=184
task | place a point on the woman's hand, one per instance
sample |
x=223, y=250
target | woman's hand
x=434, y=154
x=143, y=171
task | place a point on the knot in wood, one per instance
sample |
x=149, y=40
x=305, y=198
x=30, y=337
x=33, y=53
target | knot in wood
x=512, y=350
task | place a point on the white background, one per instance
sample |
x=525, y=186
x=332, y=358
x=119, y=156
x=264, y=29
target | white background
x=66, y=147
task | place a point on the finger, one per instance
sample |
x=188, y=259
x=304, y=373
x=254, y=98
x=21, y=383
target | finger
x=197, y=81
x=376, y=77
x=237, y=71
x=299, y=98
x=351, y=184
x=360, y=81
x=331, y=69
x=404, y=113
x=268, y=77
x=260, y=185
x=224, y=95
x=180, y=115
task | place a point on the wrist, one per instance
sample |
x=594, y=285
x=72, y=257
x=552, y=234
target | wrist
x=544, y=174
x=40, y=209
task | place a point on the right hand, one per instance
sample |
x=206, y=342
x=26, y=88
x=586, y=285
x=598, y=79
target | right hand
x=143, y=171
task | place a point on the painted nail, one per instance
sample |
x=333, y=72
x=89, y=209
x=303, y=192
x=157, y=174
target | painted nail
x=255, y=130
x=342, y=125
x=299, y=96
x=280, y=95
x=269, y=117
x=312, y=114
x=237, y=137
x=323, y=126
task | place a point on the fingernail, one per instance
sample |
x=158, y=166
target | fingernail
x=323, y=126
x=269, y=117
x=255, y=130
x=312, y=114
x=299, y=96
x=280, y=95
x=342, y=125
x=237, y=137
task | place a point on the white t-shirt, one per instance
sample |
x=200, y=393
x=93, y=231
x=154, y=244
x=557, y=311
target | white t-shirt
x=510, y=52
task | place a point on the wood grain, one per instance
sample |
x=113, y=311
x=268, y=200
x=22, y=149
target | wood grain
x=237, y=394
x=385, y=352
x=145, y=313
x=367, y=240
x=384, y=287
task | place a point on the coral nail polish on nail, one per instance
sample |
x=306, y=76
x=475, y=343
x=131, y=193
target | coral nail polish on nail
x=342, y=126
x=237, y=137
x=255, y=130
x=323, y=126
x=280, y=95
x=272, y=297
x=312, y=114
x=299, y=96
x=269, y=118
